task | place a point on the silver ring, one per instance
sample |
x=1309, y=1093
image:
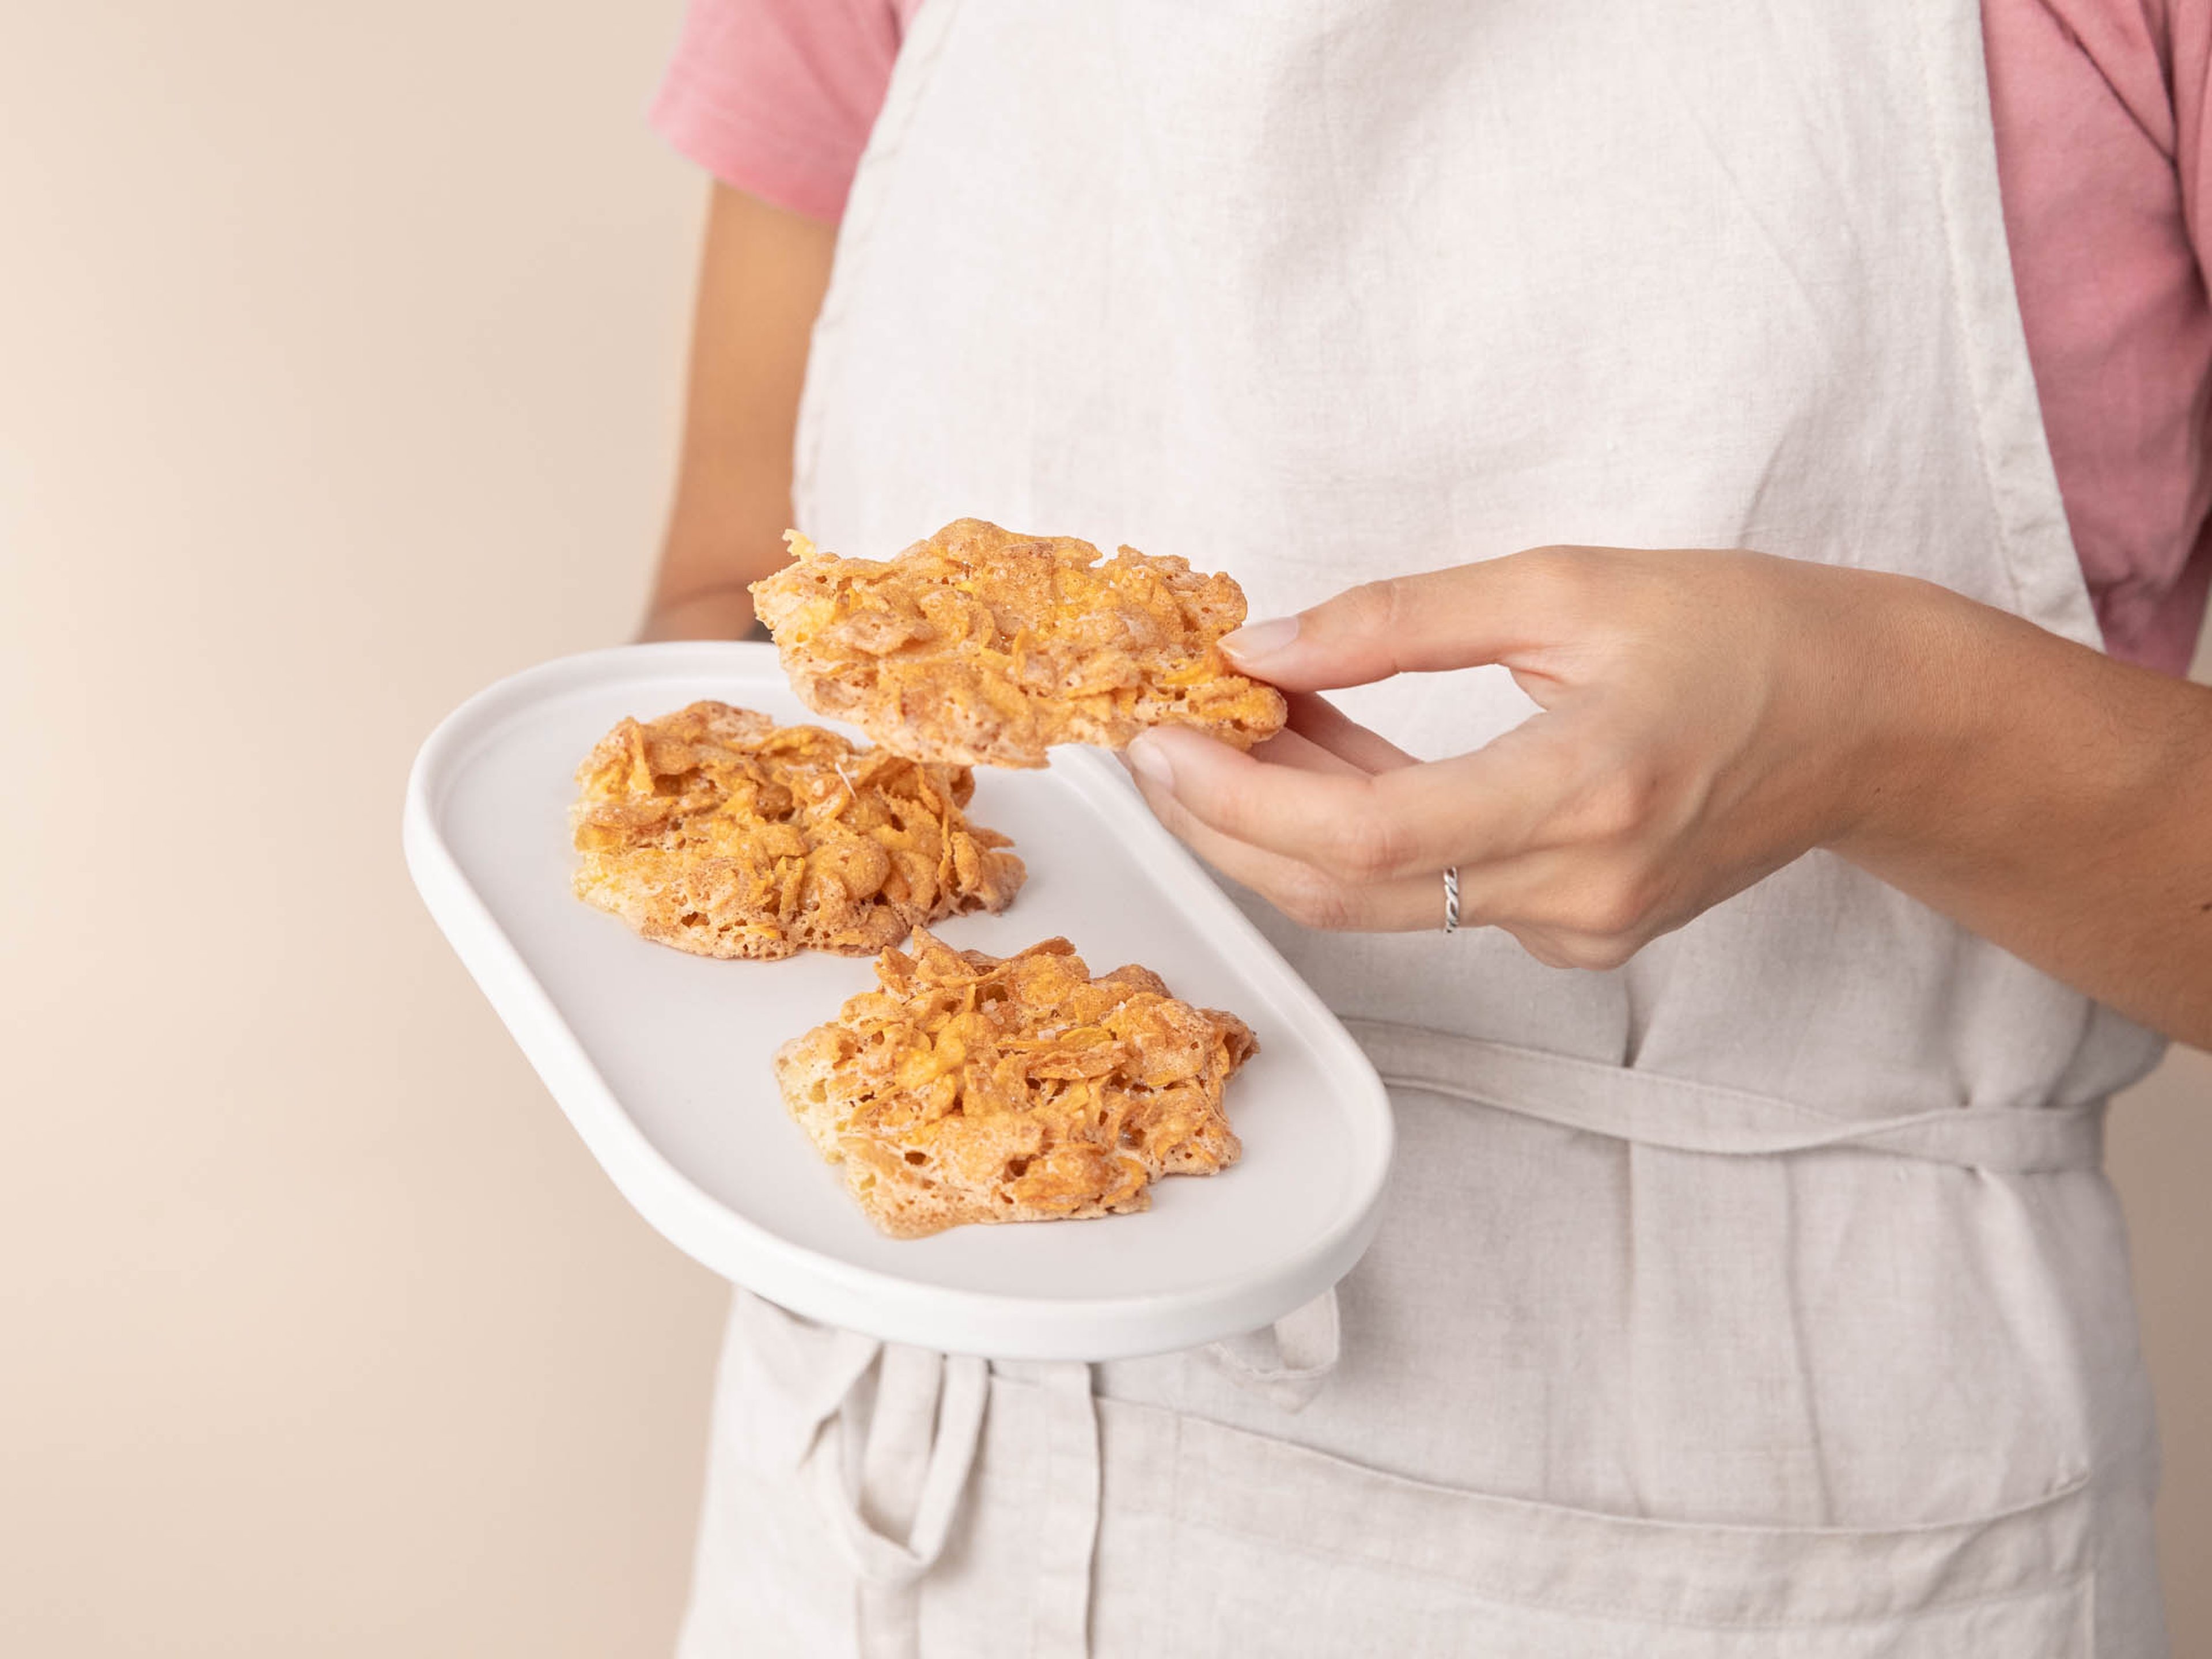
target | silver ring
x=1451, y=899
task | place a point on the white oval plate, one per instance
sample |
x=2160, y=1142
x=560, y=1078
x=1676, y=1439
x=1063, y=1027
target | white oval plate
x=661, y=1059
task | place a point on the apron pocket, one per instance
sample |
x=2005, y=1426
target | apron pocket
x=1215, y=1541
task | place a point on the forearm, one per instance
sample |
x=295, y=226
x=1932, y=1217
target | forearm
x=761, y=280
x=2054, y=801
x=715, y=613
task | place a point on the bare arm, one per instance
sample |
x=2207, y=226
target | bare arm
x=761, y=280
x=2056, y=801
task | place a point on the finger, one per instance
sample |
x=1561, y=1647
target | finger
x=1454, y=619
x=1565, y=908
x=1491, y=804
x=1286, y=748
x=1567, y=894
x=1298, y=890
x=1321, y=722
x=1293, y=747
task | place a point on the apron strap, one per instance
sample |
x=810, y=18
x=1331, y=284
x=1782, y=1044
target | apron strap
x=886, y=1466
x=1659, y=1110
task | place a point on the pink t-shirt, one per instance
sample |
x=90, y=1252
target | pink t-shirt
x=2104, y=156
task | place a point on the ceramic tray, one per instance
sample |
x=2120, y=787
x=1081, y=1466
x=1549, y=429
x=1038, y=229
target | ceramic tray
x=661, y=1059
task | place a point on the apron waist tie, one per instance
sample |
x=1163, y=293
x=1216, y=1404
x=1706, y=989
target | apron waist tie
x=889, y=1518
x=892, y=1514
x=1659, y=1110
x=885, y=1467
x=920, y=1440
x=1286, y=1364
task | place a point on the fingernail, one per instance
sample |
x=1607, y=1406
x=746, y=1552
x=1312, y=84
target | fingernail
x=1146, y=761
x=1260, y=638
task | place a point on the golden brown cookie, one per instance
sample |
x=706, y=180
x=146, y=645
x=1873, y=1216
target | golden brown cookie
x=970, y=1088
x=979, y=646
x=720, y=832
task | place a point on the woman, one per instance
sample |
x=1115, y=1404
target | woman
x=1748, y=1283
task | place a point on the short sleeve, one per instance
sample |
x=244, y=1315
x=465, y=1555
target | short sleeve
x=777, y=97
x=2098, y=109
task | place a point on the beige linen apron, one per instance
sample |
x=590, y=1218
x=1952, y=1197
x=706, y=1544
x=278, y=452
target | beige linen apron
x=1762, y=1297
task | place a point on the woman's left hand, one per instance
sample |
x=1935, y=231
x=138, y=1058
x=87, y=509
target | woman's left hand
x=1707, y=717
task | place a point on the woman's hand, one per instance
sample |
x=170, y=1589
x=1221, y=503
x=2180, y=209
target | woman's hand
x=1707, y=718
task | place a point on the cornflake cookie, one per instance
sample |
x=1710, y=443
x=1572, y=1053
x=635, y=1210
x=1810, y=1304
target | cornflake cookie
x=971, y=1088
x=982, y=647
x=720, y=832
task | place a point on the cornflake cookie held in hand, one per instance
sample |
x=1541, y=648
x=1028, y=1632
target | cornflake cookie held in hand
x=720, y=832
x=979, y=646
x=973, y=1088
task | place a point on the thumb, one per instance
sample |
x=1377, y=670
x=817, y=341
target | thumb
x=1454, y=618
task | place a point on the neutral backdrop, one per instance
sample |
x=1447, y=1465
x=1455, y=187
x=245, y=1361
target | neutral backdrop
x=339, y=368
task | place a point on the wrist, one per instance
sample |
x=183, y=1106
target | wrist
x=1917, y=686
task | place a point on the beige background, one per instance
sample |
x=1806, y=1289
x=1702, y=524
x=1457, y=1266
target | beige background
x=338, y=362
